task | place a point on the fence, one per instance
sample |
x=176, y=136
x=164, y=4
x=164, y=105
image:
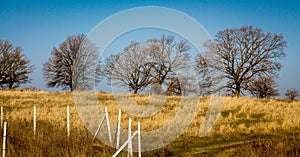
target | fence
x=127, y=143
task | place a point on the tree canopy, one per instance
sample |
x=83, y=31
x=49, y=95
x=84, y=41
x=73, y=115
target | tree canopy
x=238, y=57
x=291, y=94
x=152, y=63
x=14, y=66
x=72, y=65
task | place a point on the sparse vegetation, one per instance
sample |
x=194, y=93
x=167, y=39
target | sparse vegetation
x=246, y=127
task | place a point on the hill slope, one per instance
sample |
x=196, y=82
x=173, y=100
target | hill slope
x=246, y=127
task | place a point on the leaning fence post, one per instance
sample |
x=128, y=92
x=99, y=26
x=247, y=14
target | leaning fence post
x=128, y=142
x=124, y=145
x=68, y=121
x=34, y=120
x=4, y=139
x=99, y=127
x=108, y=125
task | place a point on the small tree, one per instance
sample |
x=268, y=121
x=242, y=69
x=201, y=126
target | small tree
x=291, y=94
x=182, y=85
x=14, y=66
x=72, y=65
x=264, y=87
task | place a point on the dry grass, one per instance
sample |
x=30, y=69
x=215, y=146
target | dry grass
x=246, y=127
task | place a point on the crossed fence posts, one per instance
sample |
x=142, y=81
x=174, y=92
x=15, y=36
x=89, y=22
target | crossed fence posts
x=131, y=135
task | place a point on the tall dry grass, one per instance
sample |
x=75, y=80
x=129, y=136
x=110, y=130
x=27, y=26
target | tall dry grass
x=246, y=126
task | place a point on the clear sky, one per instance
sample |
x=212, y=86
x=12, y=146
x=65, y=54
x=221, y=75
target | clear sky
x=38, y=26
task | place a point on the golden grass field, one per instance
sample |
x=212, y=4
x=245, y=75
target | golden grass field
x=247, y=127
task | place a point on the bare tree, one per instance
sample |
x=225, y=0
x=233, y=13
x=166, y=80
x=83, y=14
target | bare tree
x=208, y=77
x=14, y=66
x=167, y=57
x=237, y=56
x=174, y=87
x=182, y=85
x=130, y=67
x=264, y=87
x=72, y=65
x=291, y=94
x=153, y=63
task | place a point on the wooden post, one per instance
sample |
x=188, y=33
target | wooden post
x=108, y=125
x=1, y=117
x=139, y=140
x=68, y=121
x=129, y=135
x=118, y=130
x=4, y=139
x=34, y=120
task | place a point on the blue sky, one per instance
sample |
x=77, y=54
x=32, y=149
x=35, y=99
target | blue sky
x=38, y=26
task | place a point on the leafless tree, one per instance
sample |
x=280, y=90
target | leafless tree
x=72, y=65
x=208, y=77
x=167, y=58
x=14, y=66
x=150, y=63
x=291, y=94
x=264, y=87
x=237, y=56
x=130, y=67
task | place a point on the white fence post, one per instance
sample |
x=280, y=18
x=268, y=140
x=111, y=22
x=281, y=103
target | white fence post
x=34, y=120
x=139, y=140
x=124, y=145
x=1, y=117
x=128, y=142
x=118, y=130
x=68, y=121
x=99, y=127
x=129, y=135
x=4, y=139
x=108, y=125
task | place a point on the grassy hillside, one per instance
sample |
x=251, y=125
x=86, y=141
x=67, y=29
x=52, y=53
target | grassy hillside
x=246, y=127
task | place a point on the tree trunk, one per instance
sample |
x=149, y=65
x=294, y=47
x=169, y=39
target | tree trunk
x=10, y=86
x=135, y=90
x=71, y=85
x=237, y=91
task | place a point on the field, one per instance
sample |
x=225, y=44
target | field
x=246, y=127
